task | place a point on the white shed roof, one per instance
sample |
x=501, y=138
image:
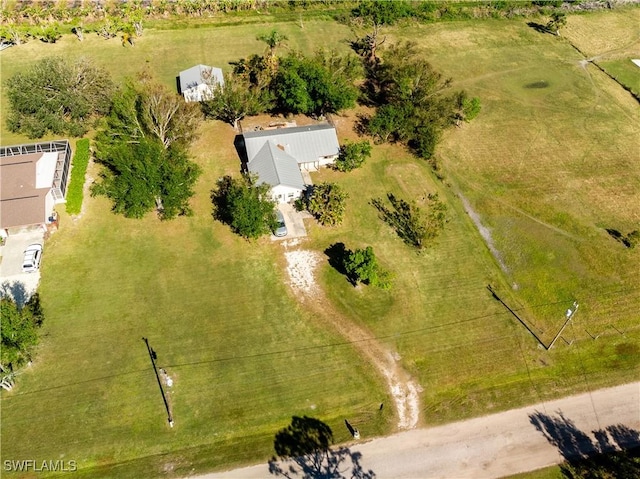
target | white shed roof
x=199, y=75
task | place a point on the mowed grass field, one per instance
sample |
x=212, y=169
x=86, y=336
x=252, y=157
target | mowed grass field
x=545, y=168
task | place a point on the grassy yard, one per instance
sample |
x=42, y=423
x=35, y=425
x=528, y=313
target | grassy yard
x=550, y=162
x=243, y=355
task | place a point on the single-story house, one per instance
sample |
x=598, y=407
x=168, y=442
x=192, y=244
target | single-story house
x=197, y=83
x=33, y=179
x=278, y=155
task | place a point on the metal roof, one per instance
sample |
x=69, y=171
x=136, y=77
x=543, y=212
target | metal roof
x=198, y=75
x=306, y=144
x=275, y=167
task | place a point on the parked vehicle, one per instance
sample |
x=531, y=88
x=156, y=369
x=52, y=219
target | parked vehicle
x=281, y=229
x=32, y=257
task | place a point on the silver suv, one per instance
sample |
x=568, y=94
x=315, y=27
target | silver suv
x=32, y=257
x=281, y=230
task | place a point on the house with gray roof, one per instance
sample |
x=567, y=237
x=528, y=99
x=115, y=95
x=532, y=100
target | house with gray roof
x=277, y=156
x=197, y=82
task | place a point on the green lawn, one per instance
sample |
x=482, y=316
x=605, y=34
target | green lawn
x=215, y=308
x=547, y=169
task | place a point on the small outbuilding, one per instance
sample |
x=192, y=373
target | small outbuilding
x=197, y=83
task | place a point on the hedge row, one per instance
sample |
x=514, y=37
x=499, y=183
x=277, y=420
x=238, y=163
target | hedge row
x=80, y=162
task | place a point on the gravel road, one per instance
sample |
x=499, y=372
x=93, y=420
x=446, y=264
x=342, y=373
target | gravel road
x=492, y=446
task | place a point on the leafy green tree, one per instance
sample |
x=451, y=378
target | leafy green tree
x=382, y=12
x=144, y=149
x=327, y=203
x=236, y=99
x=273, y=39
x=244, y=205
x=412, y=99
x=352, y=155
x=413, y=225
x=305, y=85
x=57, y=96
x=362, y=266
x=142, y=176
x=18, y=330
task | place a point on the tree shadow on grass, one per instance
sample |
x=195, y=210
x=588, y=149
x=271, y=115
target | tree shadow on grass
x=538, y=27
x=614, y=452
x=338, y=254
x=304, y=451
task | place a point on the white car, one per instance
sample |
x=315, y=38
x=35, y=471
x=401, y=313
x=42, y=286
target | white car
x=32, y=257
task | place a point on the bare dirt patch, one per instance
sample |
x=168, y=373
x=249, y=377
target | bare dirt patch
x=301, y=265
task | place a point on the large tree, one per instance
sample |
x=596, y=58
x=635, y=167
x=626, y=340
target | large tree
x=236, y=99
x=144, y=149
x=306, y=85
x=413, y=99
x=57, y=96
x=244, y=205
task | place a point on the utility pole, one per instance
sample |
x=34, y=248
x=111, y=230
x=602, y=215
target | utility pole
x=152, y=355
x=570, y=313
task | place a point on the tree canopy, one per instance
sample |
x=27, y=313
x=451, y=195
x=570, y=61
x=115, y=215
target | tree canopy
x=361, y=266
x=327, y=203
x=244, y=205
x=305, y=85
x=19, y=325
x=413, y=101
x=416, y=227
x=57, y=96
x=352, y=155
x=144, y=149
x=236, y=99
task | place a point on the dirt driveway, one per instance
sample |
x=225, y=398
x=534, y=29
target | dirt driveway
x=20, y=284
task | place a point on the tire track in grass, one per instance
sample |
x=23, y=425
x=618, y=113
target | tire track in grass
x=405, y=391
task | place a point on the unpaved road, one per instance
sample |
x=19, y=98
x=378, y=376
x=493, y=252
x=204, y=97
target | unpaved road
x=487, y=447
x=403, y=389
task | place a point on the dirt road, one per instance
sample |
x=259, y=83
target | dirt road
x=492, y=446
